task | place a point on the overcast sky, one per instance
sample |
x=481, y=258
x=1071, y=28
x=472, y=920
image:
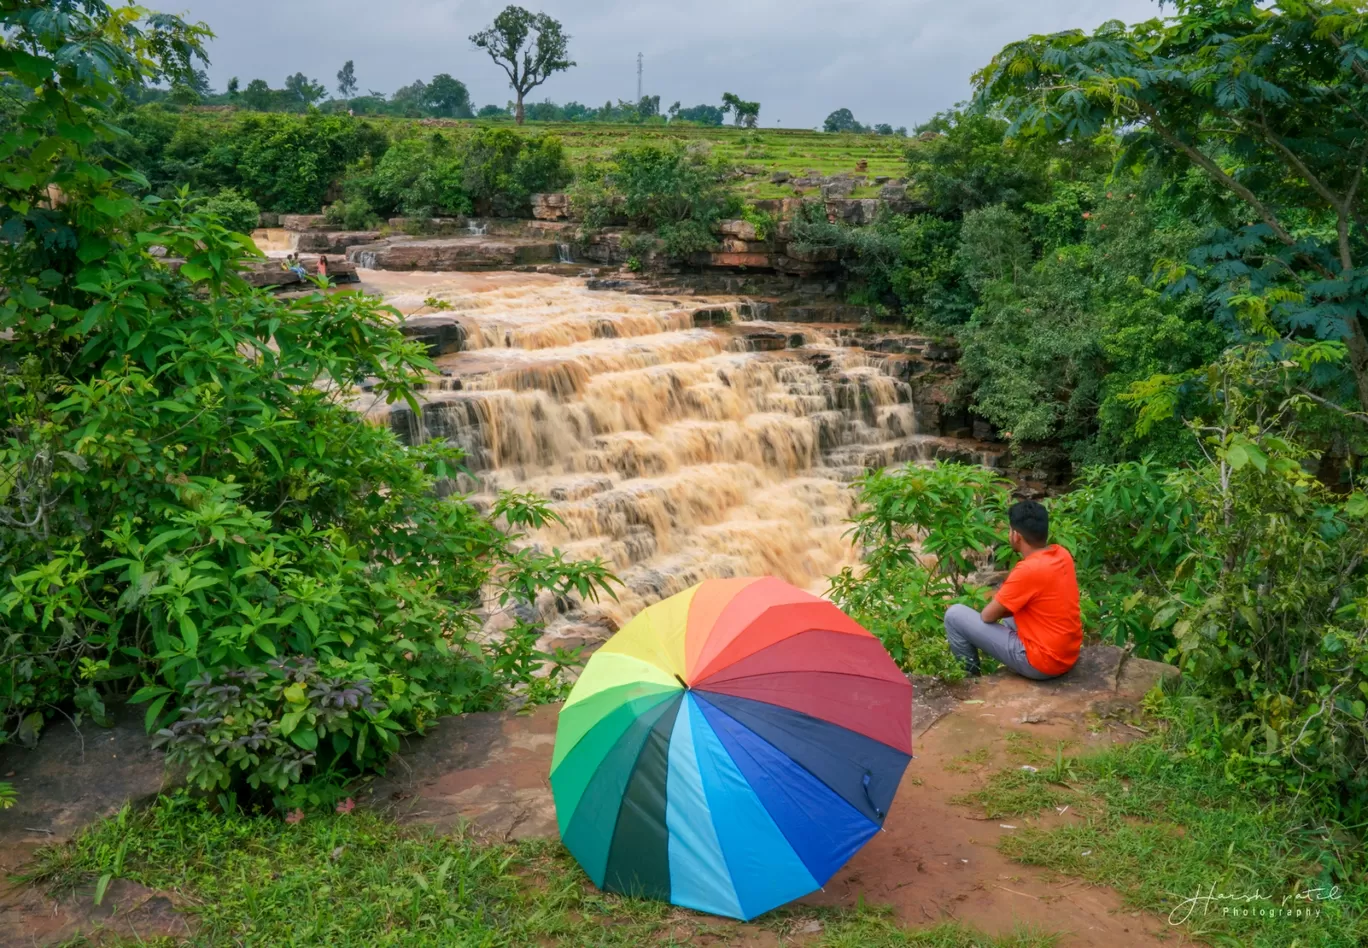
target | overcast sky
x=895, y=61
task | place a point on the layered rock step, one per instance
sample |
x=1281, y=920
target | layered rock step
x=676, y=439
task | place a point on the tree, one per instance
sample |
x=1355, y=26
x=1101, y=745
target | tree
x=448, y=97
x=702, y=114
x=258, y=96
x=649, y=106
x=1270, y=103
x=346, y=80
x=529, y=61
x=745, y=113
x=410, y=99
x=492, y=111
x=842, y=120
x=304, y=90
x=193, y=510
x=233, y=89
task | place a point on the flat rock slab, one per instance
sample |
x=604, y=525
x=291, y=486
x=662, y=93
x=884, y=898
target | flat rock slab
x=1106, y=683
x=489, y=770
x=76, y=776
x=127, y=914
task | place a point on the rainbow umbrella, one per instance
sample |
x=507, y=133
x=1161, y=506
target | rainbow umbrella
x=730, y=748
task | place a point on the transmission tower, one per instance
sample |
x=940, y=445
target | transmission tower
x=638, y=77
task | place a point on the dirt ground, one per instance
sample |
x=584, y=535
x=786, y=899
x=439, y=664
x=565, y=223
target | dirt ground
x=935, y=859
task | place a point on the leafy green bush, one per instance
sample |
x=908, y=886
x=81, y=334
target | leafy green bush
x=353, y=214
x=416, y=177
x=922, y=532
x=503, y=169
x=677, y=193
x=237, y=211
x=1268, y=603
x=186, y=490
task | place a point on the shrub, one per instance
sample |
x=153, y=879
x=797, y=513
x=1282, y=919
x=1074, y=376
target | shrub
x=353, y=214
x=288, y=163
x=679, y=194
x=416, y=177
x=503, y=168
x=187, y=491
x=237, y=211
x=922, y=531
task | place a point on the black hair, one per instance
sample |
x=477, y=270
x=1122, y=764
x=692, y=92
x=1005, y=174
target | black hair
x=1031, y=520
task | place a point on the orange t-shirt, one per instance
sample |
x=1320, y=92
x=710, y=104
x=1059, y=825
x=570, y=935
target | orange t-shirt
x=1042, y=594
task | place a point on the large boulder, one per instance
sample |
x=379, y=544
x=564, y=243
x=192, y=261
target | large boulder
x=835, y=189
x=452, y=253
x=441, y=333
x=335, y=242
x=743, y=230
x=550, y=207
x=854, y=211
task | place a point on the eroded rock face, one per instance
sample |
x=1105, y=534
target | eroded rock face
x=334, y=242
x=550, y=207
x=452, y=253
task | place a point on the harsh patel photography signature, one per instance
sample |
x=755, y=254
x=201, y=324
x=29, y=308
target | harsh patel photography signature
x=1304, y=903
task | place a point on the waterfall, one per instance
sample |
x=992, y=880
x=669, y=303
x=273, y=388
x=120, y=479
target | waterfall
x=563, y=254
x=476, y=228
x=664, y=446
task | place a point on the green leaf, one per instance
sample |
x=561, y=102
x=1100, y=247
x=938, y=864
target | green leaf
x=195, y=273
x=289, y=721
x=306, y=738
x=102, y=886
x=1237, y=456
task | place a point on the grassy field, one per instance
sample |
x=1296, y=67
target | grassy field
x=1163, y=829
x=359, y=880
x=762, y=151
x=1158, y=827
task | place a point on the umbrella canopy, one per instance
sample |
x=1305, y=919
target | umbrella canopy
x=730, y=748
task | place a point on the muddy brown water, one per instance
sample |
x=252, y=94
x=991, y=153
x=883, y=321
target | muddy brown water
x=666, y=448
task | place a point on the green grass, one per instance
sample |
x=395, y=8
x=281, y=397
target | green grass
x=1160, y=828
x=358, y=880
x=763, y=150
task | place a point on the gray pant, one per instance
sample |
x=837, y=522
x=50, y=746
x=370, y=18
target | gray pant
x=968, y=634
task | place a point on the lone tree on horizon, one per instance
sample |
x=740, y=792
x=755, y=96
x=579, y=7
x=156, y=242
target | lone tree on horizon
x=529, y=61
x=346, y=80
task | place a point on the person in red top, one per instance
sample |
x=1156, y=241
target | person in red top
x=1033, y=624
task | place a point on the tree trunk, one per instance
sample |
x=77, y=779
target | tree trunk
x=518, y=112
x=1358, y=358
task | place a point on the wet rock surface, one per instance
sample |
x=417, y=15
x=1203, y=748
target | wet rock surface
x=473, y=252
x=75, y=776
x=72, y=778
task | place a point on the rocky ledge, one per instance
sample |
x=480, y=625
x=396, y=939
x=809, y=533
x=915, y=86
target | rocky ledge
x=452, y=253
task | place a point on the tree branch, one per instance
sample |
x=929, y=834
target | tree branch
x=1361, y=417
x=1214, y=170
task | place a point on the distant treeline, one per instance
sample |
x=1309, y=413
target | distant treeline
x=440, y=97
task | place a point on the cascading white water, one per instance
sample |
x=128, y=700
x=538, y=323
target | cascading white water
x=666, y=448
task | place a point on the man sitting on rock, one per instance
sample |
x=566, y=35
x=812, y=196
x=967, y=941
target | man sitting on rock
x=1032, y=625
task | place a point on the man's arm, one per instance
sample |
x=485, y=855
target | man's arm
x=994, y=611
